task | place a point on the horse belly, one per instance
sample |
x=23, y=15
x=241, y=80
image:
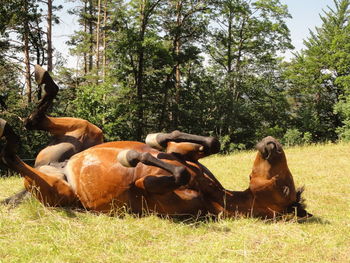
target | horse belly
x=55, y=154
x=99, y=181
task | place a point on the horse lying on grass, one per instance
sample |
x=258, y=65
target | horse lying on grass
x=162, y=175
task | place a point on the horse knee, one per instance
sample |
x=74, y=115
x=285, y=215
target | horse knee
x=182, y=176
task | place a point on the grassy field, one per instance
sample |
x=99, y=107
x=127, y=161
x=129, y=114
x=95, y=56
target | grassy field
x=33, y=233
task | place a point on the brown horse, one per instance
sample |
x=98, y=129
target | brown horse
x=78, y=170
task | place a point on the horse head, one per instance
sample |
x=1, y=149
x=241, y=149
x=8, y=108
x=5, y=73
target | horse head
x=271, y=181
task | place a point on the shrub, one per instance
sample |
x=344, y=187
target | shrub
x=292, y=137
x=344, y=131
x=227, y=146
x=343, y=109
x=307, y=138
x=295, y=137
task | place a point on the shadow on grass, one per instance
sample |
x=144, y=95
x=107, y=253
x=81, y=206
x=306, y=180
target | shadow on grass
x=314, y=220
x=194, y=221
x=294, y=219
x=69, y=212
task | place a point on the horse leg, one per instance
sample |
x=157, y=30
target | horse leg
x=71, y=135
x=160, y=141
x=42, y=77
x=156, y=183
x=191, y=147
x=186, y=146
x=50, y=190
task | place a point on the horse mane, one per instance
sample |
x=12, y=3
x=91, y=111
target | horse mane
x=299, y=206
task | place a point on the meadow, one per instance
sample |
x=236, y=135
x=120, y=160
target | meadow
x=33, y=233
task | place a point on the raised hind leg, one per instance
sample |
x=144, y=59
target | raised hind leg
x=70, y=135
x=49, y=189
x=159, y=183
x=42, y=77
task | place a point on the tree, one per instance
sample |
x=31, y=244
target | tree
x=184, y=24
x=83, y=40
x=319, y=75
x=243, y=48
x=24, y=24
x=135, y=41
x=51, y=19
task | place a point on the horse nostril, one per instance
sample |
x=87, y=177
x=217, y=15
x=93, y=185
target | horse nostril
x=269, y=147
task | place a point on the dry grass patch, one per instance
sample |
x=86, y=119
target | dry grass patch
x=33, y=233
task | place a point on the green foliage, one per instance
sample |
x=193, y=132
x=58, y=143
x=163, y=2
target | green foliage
x=203, y=67
x=344, y=131
x=343, y=109
x=292, y=137
x=319, y=75
x=101, y=106
x=243, y=47
x=229, y=147
x=307, y=138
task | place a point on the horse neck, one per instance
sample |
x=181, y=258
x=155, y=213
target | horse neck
x=233, y=203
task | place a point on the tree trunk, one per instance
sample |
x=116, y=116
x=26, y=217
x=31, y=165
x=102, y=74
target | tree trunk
x=229, y=50
x=104, y=41
x=85, y=31
x=177, y=67
x=140, y=69
x=98, y=35
x=49, y=36
x=27, y=57
x=91, y=34
x=238, y=77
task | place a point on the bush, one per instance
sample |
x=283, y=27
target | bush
x=292, y=137
x=295, y=137
x=344, y=131
x=343, y=109
x=275, y=131
x=227, y=146
x=307, y=138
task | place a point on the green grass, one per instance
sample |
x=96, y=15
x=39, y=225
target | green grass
x=33, y=233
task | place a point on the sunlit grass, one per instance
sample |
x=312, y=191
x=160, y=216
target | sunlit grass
x=33, y=233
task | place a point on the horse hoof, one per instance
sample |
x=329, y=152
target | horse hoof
x=40, y=74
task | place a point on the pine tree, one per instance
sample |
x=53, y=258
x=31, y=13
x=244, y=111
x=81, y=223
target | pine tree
x=319, y=75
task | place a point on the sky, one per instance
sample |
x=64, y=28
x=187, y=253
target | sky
x=305, y=17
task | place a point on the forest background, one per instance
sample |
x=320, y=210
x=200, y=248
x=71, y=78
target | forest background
x=204, y=67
